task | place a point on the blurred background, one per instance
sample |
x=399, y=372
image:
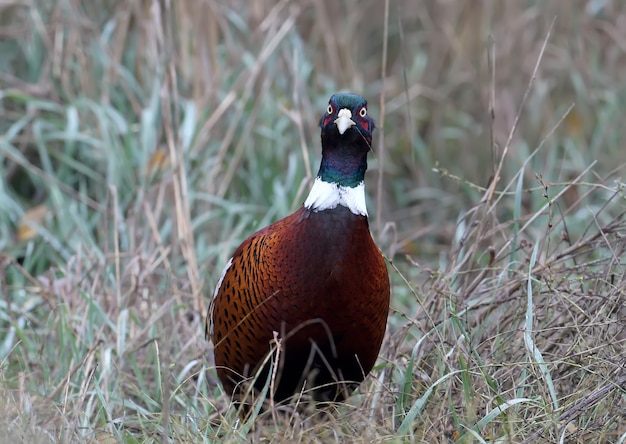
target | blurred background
x=141, y=141
x=92, y=92
x=107, y=96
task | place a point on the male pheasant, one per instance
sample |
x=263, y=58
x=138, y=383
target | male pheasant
x=315, y=282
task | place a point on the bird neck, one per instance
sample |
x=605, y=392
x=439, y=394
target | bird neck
x=340, y=181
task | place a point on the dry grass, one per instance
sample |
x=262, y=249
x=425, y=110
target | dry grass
x=140, y=142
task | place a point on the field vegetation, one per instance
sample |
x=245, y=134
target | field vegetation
x=142, y=141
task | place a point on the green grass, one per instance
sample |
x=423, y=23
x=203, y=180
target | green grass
x=140, y=143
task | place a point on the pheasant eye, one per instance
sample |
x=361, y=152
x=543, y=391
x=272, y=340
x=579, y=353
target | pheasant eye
x=329, y=110
x=363, y=112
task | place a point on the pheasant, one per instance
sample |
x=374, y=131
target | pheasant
x=313, y=286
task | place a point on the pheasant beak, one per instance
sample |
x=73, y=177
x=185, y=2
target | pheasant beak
x=344, y=120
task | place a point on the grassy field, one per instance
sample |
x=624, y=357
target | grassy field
x=141, y=142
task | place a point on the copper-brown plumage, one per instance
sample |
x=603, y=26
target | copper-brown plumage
x=317, y=282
